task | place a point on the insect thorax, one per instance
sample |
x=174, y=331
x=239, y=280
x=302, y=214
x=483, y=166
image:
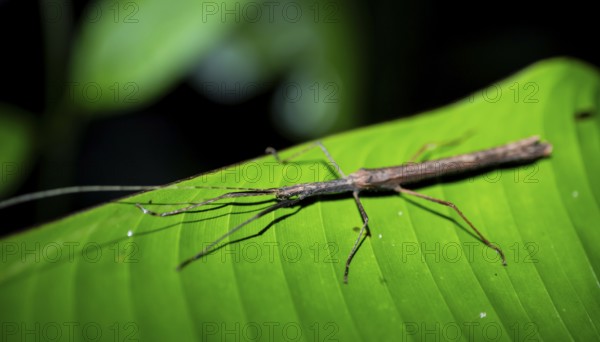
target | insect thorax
x=305, y=190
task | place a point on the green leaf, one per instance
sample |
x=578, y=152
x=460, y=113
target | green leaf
x=421, y=275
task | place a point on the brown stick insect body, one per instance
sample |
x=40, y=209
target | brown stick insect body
x=389, y=178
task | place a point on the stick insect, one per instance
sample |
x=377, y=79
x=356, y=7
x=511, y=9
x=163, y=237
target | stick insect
x=393, y=178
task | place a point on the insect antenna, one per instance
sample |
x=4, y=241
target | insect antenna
x=253, y=192
x=34, y=196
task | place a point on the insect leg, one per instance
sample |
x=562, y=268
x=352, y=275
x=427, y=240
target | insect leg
x=275, y=154
x=365, y=228
x=196, y=205
x=453, y=206
x=432, y=146
x=207, y=249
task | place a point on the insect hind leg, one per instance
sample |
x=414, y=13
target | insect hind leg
x=455, y=208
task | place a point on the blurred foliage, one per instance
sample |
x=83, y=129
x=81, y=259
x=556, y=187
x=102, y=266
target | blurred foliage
x=16, y=146
x=130, y=53
x=119, y=57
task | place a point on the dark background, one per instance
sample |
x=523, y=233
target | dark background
x=419, y=55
